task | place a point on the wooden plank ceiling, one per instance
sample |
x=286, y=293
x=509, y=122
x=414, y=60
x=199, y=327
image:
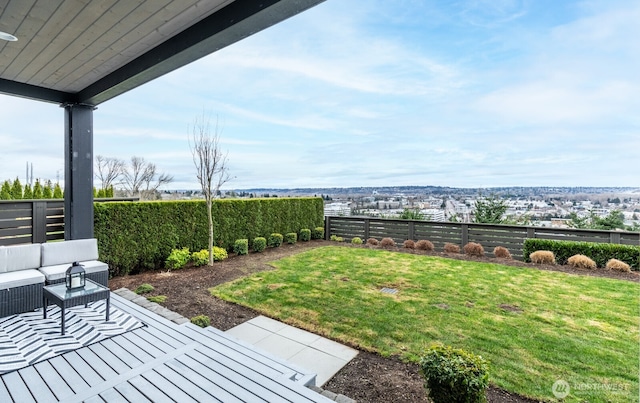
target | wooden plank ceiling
x=90, y=51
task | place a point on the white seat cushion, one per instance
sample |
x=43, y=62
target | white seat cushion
x=19, y=257
x=20, y=278
x=57, y=272
x=67, y=252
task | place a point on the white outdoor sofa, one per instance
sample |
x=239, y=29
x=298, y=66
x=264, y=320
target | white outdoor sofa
x=25, y=269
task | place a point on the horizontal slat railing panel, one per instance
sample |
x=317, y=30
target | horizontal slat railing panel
x=8, y=232
x=27, y=222
x=489, y=236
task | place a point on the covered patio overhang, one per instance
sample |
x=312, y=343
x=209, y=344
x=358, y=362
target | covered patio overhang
x=80, y=53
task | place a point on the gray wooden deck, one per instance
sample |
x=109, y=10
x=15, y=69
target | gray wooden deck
x=161, y=362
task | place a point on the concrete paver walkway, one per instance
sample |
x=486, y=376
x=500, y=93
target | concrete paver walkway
x=310, y=351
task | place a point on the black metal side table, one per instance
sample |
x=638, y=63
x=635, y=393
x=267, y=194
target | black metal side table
x=59, y=295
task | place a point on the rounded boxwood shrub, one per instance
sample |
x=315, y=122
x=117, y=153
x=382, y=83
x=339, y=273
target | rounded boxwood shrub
x=356, y=241
x=336, y=238
x=275, y=240
x=317, y=233
x=454, y=375
x=305, y=234
x=291, y=238
x=259, y=244
x=201, y=320
x=241, y=246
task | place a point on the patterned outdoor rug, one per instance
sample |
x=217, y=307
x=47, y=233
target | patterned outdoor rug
x=26, y=339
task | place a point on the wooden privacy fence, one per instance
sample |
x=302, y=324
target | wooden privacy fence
x=488, y=235
x=34, y=221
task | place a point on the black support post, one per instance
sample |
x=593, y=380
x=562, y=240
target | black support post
x=78, y=171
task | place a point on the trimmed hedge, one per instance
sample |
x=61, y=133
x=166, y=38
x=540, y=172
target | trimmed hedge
x=139, y=236
x=599, y=252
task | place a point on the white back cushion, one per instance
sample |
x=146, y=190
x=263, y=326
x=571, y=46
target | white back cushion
x=77, y=250
x=19, y=257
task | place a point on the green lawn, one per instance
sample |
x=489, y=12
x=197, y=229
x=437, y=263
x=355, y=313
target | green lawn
x=584, y=330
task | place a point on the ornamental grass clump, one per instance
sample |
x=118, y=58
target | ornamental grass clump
x=501, y=252
x=618, y=265
x=387, y=243
x=201, y=320
x=454, y=375
x=581, y=262
x=144, y=289
x=409, y=244
x=473, y=249
x=451, y=248
x=543, y=257
x=372, y=242
x=423, y=244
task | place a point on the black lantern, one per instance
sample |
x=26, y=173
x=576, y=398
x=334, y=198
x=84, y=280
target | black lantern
x=75, y=276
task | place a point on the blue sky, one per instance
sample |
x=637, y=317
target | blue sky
x=392, y=92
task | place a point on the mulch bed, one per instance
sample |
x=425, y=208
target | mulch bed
x=368, y=377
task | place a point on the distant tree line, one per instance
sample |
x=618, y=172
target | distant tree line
x=13, y=190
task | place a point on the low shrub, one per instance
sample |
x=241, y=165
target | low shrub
x=305, y=234
x=454, y=375
x=178, y=258
x=451, y=248
x=581, y=262
x=473, y=249
x=144, y=289
x=543, y=257
x=158, y=299
x=259, y=244
x=219, y=254
x=275, y=240
x=201, y=320
x=423, y=244
x=356, y=241
x=336, y=238
x=501, y=252
x=409, y=244
x=387, y=243
x=241, y=246
x=372, y=242
x=200, y=258
x=618, y=265
x=291, y=238
x=317, y=233
x=599, y=252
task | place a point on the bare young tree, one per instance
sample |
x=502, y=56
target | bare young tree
x=211, y=165
x=141, y=178
x=108, y=170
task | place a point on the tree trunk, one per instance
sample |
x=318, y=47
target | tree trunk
x=210, y=217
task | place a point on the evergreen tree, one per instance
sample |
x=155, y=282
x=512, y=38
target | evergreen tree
x=28, y=193
x=95, y=192
x=37, y=190
x=100, y=194
x=109, y=192
x=47, y=193
x=57, y=192
x=5, y=191
x=16, y=190
x=490, y=210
